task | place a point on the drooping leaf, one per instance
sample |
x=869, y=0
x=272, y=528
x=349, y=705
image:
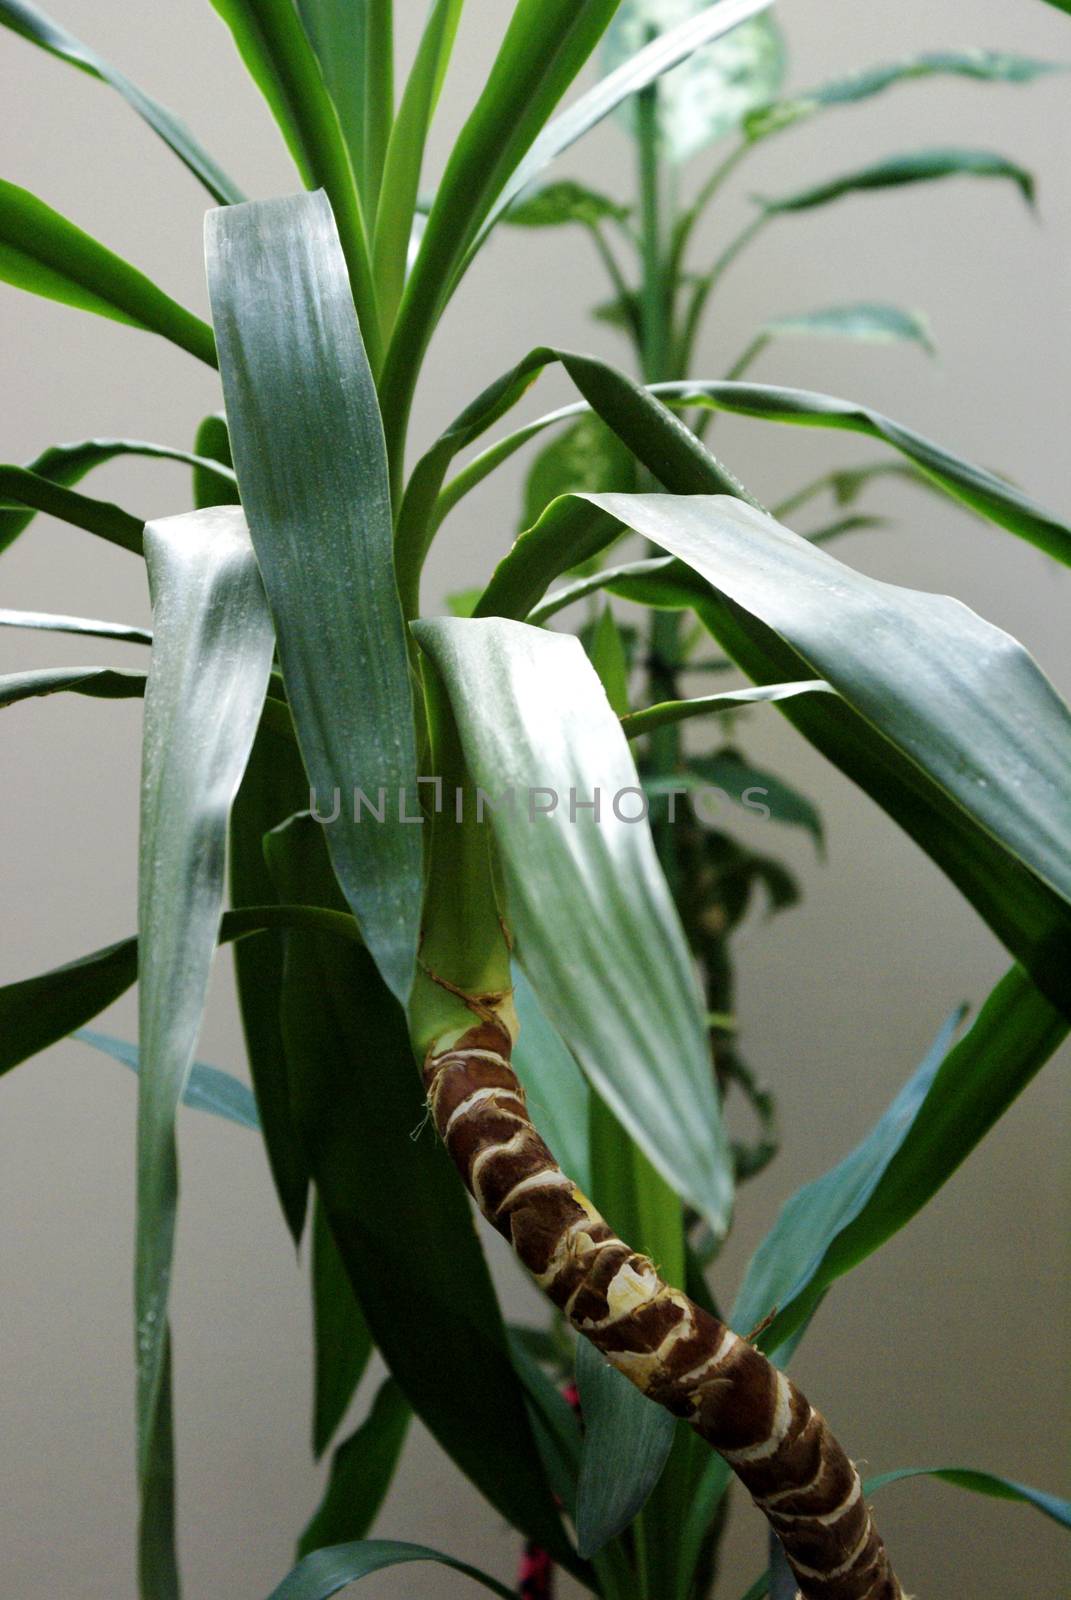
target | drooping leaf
x=637, y=723
x=398, y=1215
x=88, y=627
x=212, y=650
x=987, y=1483
x=67, y=464
x=627, y=1439
x=869, y=322
x=597, y=932
x=960, y=700
x=308, y=446
x=325, y=1572
x=341, y=1336
x=42, y=252
x=32, y=24
x=763, y=792
x=207, y=1088
x=943, y=1111
x=361, y=1471
x=25, y=489
x=550, y=205
x=103, y=683
x=919, y=166
x=986, y=66
x=710, y=94
x=273, y=44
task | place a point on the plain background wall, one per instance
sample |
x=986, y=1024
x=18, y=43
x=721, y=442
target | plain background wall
x=949, y=1346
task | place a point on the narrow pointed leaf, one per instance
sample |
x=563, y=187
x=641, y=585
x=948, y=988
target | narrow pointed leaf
x=361, y=1472
x=637, y=723
x=985, y=66
x=32, y=24
x=920, y=166
x=627, y=1439
x=988, y=1483
x=551, y=205
x=597, y=931
x=44, y=253
x=212, y=650
x=399, y=1217
x=23, y=488
x=207, y=1088
x=941, y=1114
x=67, y=464
x=308, y=447
x=88, y=627
x=341, y=1336
x=870, y=322
x=102, y=683
x=325, y=1572
x=273, y=44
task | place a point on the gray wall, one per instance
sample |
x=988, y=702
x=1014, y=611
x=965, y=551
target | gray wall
x=948, y=1347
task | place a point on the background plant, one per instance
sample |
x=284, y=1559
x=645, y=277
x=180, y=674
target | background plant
x=116, y=525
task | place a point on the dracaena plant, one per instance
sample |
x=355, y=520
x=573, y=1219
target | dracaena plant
x=469, y=925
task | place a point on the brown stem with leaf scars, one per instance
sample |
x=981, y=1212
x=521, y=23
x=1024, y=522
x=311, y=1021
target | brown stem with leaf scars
x=675, y=1352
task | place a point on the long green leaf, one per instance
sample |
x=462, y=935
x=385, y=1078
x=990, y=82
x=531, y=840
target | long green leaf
x=102, y=683
x=341, y=1337
x=207, y=1088
x=212, y=650
x=356, y=62
x=405, y=154
x=33, y=24
x=986, y=66
x=556, y=1090
x=274, y=46
x=67, y=464
x=637, y=723
x=940, y=1115
x=325, y=1572
x=361, y=1471
x=20, y=487
x=627, y=1440
x=44, y=253
x=308, y=447
x=920, y=166
x=868, y=322
x=88, y=627
x=398, y=1215
x=597, y=932
x=987, y=1483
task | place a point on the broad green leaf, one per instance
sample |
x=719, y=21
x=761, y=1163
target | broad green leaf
x=207, y=1088
x=42, y=252
x=325, y=1572
x=352, y=42
x=627, y=1439
x=556, y=1090
x=361, y=1471
x=67, y=464
x=638, y=723
x=779, y=800
x=618, y=985
x=36, y=1012
x=711, y=93
x=940, y=1115
x=212, y=650
x=341, y=1338
x=550, y=205
x=961, y=701
x=308, y=447
x=273, y=44
x=919, y=166
x=103, y=683
x=88, y=627
x=20, y=487
x=34, y=25
x=405, y=153
x=400, y=1218
x=870, y=322
x=987, y=66
x=988, y=1483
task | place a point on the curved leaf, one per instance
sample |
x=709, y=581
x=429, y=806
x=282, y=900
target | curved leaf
x=551, y=205
x=88, y=627
x=325, y=1572
x=919, y=166
x=627, y=1440
x=19, y=486
x=1050, y=1505
x=361, y=1471
x=103, y=683
x=341, y=1337
x=942, y=1112
x=44, y=253
x=308, y=446
x=987, y=66
x=32, y=24
x=212, y=652
x=616, y=983
x=709, y=95
x=637, y=723
x=869, y=322
x=207, y=1088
